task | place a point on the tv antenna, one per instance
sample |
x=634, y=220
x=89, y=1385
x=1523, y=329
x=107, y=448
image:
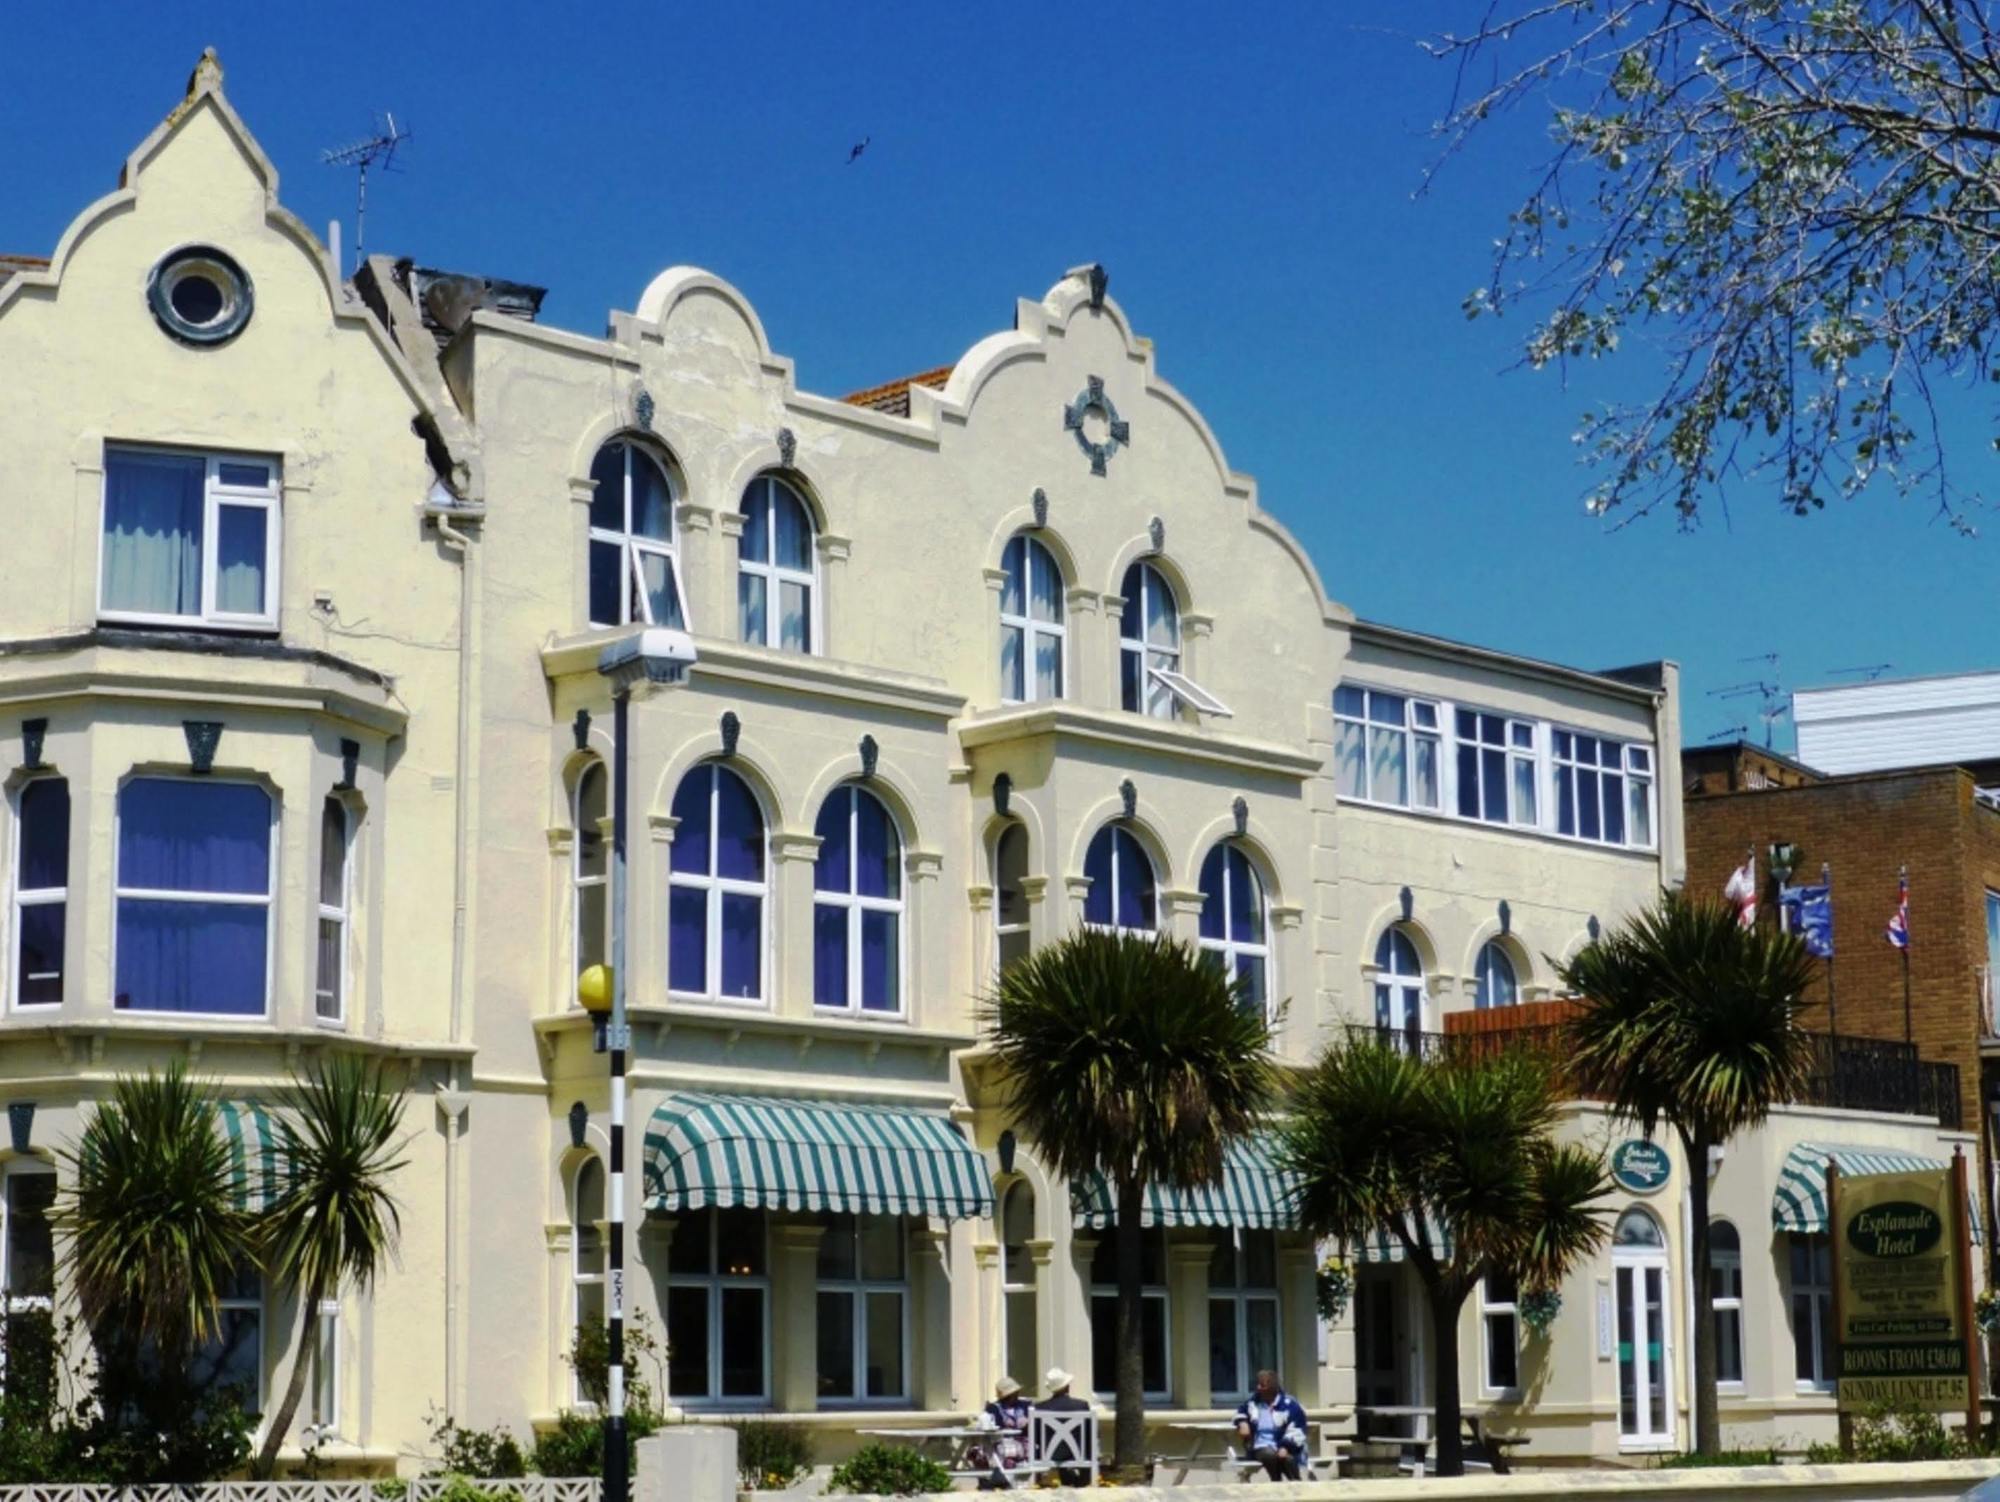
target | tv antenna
x=1733, y=732
x=1771, y=697
x=1867, y=675
x=378, y=150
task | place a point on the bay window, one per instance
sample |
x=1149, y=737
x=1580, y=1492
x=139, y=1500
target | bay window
x=1242, y=1310
x=27, y=1254
x=1235, y=922
x=863, y=1310
x=232, y=1360
x=196, y=866
x=857, y=905
x=1152, y=1314
x=718, y=1309
x=189, y=539
x=1031, y=623
x=716, y=888
x=1121, y=897
x=589, y=875
x=330, y=978
x=586, y=1258
x=39, y=921
x=1011, y=925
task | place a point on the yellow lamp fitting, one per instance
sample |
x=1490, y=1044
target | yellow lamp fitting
x=593, y=989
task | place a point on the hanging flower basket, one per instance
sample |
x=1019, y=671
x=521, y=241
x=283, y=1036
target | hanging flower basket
x=1539, y=1307
x=1333, y=1285
x=1986, y=1312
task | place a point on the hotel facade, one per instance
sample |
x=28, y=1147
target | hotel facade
x=304, y=749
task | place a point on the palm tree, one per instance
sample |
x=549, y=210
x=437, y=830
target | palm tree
x=335, y=1222
x=1454, y=1158
x=156, y=1233
x=1138, y=1060
x=1690, y=1018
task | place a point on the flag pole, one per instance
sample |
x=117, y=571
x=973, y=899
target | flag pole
x=1903, y=877
x=1832, y=1006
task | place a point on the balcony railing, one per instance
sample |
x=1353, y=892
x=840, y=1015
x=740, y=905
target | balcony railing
x=1854, y=1074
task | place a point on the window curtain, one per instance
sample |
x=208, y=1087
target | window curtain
x=180, y=954
x=152, y=533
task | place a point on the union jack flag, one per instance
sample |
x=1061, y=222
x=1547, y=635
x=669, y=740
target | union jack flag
x=1899, y=921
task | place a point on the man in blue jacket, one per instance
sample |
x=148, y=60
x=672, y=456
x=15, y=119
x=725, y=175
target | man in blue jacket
x=1272, y=1426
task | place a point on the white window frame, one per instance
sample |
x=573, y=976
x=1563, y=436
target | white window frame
x=1819, y=1307
x=1240, y=1297
x=1157, y=697
x=1008, y=1289
x=1411, y=730
x=1148, y=1293
x=1111, y=831
x=632, y=546
x=1483, y=998
x=579, y=883
x=1728, y=1306
x=1634, y=759
x=1030, y=628
x=1228, y=946
x=774, y=574
x=323, y=1399
x=254, y=1306
x=341, y=916
x=578, y=1278
x=1003, y=930
x=1414, y=986
x=10, y=1302
x=714, y=1282
x=857, y=1290
x=23, y=897
x=716, y=886
x=1517, y=752
x=215, y=495
x=853, y=904
x=268, y=899
x=1496, y=1315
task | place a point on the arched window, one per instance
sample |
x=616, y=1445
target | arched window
x=1149, y=636
x=1031, y=623
x=1725, y=1282
x=1235, y=921
x=330, y=977
x=592, y=910
x=715, y=901
x=1493, y=977
x=1121, y=896
x=857, y=905
x=1019, y=1359
x=1010, y=896
x=1399, y=988
x=774, y=567
x=634, y=573
x=1637, y=1229
x=586, y=1253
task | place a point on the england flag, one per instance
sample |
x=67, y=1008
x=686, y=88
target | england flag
x=1741, y=889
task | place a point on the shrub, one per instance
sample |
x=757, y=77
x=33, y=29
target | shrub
x=590, y=1358
x=771, y=1454
x=488, y=1454
x=575, y=1446
x=889, y=1471
x=1695, y=1461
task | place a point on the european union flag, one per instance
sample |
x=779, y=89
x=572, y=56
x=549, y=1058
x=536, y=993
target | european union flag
x=1809, y=914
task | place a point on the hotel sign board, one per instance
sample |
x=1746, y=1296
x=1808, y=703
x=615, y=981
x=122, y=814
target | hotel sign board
x=1899, y=1273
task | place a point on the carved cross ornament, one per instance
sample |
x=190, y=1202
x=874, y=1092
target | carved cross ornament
x=1118, y=433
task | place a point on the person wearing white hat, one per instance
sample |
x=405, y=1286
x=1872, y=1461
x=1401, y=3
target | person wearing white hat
x=1061, y=1400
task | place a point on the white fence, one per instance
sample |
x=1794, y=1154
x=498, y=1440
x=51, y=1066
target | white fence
x=427, y=1489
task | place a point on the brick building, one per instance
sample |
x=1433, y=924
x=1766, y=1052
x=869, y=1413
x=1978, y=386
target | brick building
x=1942, y=824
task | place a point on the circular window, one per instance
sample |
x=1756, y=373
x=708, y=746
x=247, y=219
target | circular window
x=199, y=295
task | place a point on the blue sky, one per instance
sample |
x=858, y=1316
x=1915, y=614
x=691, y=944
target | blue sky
x=1248, y=178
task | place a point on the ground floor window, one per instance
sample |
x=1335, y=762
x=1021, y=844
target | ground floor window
x=325, y=1402
x=1812, y=1309
x=718, y=1309
x=234, y=1360
x=1242, y=1311
x=1017, y=1285
x=27, y=1253
x=863, y=1310
x=1500, y=1331
x=1725, y=1283
x=1153, y=1314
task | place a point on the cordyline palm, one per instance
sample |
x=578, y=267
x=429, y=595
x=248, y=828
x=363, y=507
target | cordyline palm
x=1690, y=1018
x=155, y=1233
x=1134, y=1059
x=335, y=1222
x=1453, y=1158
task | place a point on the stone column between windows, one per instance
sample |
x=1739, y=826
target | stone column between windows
x=1298, y=1320
x=792, y=859
x=996, y=585
x=1071, y=1349
x=987, y=1280
x=921, y=869
x=1086, y=658
x=646, y=919
x=556, y=1235
x=1042, y=927
x=930, y=1317
x=646, y=1290
x=834, y=551
x=1078, y=890
x=1041, y=1252
x=1180, y=913
x=794, y=1313
x=1196, y=629
x=711, y=557
x=1187, y=1314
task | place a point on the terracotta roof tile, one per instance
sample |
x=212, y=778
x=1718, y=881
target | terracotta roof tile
x=11, y=264
x=894, y=396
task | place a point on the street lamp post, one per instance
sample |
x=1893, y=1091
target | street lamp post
x=654, y=655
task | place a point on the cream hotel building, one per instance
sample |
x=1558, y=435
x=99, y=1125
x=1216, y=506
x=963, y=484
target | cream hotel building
x=303, y=749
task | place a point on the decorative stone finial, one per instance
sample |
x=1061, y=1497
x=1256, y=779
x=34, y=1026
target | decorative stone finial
x=869, y=752
x=579, y=1123
x=203, y=736
x=1099, y=280
x=580, y=729
x=1040, y=502
x=1407, y=901
x=1592, y=928
x=1003, y=793
x=1128, y=794
x=207, y=74
x=732, y=729
x=1156, y=530
x=33, y=734
x=1506, y=917
x=642, y=408
x=788, y=447
x=1239, y=809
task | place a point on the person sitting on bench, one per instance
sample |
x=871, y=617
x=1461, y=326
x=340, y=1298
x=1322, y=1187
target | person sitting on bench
x=1272, y=1426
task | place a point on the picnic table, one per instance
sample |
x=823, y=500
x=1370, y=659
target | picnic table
x=1417, y=1442
x=1213, y=1447
x=946, y=1442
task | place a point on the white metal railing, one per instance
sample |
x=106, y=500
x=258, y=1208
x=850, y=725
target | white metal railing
x=424, y=1489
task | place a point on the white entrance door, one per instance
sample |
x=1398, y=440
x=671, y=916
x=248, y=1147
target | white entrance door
x=1645, y=1353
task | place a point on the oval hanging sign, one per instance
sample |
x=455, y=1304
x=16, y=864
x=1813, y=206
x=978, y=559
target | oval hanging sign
x=1640, y=1166
x=1899, y=1228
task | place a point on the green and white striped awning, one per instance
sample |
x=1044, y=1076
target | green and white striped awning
x=1386, y=1246
x=1800, y=1202
x=815, y=1155
x=1254, y=1194
x=257, y=1164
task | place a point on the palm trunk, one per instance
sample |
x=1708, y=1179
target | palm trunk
x=1447, y=1301
x=265, y=1467
x=1128, y=1457
x=1707, y=1412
